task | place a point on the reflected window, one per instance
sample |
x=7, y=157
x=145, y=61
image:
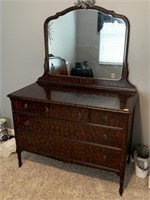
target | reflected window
x=111, y=46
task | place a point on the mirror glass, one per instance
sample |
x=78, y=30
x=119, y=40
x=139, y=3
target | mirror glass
x=91, y=43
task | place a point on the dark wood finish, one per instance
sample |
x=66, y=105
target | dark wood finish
x=87, y=127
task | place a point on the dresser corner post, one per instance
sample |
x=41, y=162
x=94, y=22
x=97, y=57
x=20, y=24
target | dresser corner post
x=19, y=159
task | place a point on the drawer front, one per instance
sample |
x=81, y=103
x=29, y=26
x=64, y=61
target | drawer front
x=66, y=112
x=26, y=106
x=73, y=130
x=66, y=148
x=109, y=118
x=51, y=110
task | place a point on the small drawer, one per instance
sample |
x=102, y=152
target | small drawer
x=26, y=106
x=27, y=122
x=65, y=112
x=109, y=118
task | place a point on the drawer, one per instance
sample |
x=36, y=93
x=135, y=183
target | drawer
x=73, y=130
x=109, y=118
x=66, y=112
x=66, y=148
x=28, y=121
x=26, y=106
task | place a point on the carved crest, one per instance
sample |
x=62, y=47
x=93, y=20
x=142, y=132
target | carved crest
x=85, y=4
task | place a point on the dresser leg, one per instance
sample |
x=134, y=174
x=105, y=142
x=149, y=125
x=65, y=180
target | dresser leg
x=19, y=159
x=121, y=188
x=129, y=159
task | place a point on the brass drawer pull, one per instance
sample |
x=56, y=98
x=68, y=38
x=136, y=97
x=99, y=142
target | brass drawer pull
x=26, y=123
x=46, y=110
x=106, y=119
x=105, y=137
x=25, y=106
x=105, y=158
x=79, y=114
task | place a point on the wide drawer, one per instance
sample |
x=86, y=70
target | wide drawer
x=109, y=118
x=70, y=149
x=74, y=130
x=53, y=110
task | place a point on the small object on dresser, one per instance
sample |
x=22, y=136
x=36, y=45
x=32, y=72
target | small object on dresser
x=82, y=70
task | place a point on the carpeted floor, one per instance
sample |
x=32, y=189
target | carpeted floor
x=42, y=178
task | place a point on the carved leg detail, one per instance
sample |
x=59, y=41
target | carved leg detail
x=19, y=159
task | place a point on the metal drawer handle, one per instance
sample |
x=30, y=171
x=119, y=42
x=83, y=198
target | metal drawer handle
x=105, y=158
x=26, y=123
x=46, y=110
x=106, y=119
x=105, y=137
x=25, y=106
x=79, y=114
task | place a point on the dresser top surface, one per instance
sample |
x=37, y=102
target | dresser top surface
x=120, y=101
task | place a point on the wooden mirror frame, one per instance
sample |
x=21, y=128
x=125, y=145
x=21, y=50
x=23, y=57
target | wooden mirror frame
x=121, y=85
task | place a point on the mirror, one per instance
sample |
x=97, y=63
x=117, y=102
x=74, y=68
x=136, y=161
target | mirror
x=86, y=45
x=91, y=42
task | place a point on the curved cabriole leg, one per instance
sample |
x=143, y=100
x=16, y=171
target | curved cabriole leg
x=19, y=159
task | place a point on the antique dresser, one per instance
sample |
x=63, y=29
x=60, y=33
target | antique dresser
x=82, y=120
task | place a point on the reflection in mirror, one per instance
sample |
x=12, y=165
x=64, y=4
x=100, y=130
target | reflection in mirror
x=91, y=42
x=57, y=66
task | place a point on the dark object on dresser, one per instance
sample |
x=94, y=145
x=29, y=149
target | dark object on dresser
x=86, y=72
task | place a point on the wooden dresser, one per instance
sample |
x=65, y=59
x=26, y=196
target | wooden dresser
x=86, y=127
x=80, y=120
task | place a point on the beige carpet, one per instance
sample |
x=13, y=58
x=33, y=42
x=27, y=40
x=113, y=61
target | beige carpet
x=42, y=178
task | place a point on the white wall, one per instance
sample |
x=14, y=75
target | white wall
x=23, y=49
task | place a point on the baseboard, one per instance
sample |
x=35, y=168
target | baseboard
x=11, y=132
